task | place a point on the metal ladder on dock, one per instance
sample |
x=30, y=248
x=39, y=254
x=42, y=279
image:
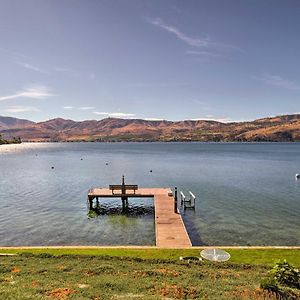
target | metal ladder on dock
x=187, y=203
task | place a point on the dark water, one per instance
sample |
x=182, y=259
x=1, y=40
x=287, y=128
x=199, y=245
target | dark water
x=246, y=193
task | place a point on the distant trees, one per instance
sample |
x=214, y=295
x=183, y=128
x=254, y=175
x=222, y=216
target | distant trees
x=14, y=140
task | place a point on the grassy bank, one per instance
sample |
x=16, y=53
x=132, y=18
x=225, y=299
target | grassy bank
x=245, y=256
x=100, y=277
x=122, y=273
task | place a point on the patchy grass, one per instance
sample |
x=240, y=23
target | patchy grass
x=42, y=276
x=245, y=256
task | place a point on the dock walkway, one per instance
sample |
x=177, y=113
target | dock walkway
x=170, y=231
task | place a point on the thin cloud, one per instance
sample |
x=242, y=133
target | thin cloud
x=114, y=114
x=153, y=119
x=279, y=81
x=156, y=84
x=34, y=92
x=86, y=107
x=32, y=67
x=197, y=42
x=215, y=118
x=203, y=53
x=19, y=109
x=80, y=108
x=50, y=70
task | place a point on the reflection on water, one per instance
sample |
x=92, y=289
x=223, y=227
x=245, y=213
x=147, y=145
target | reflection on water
x=119, y=216
x=137, y=208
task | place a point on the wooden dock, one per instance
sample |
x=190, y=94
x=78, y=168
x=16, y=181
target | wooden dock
x=170, y=231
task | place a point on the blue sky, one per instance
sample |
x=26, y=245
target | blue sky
x=227, y=60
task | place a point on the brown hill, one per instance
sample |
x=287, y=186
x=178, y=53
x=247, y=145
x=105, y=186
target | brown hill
x=9, y=122
x=280, y=128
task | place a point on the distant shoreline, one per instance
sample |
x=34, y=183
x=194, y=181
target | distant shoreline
x=144, y=247
x=167, y=142
x=285, y=128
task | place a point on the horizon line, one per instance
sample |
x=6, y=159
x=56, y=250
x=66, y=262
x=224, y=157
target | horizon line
x=158, y=120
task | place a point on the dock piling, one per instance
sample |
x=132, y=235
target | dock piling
x=175, y=201
x=90, y=203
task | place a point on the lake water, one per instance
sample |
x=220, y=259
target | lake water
x=246, y=193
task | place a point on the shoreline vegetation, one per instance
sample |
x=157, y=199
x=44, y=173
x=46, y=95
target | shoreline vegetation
x=178, y=141
x=145, y=274
x=15, y=140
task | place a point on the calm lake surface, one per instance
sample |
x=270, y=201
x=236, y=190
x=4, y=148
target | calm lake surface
x=246, y=193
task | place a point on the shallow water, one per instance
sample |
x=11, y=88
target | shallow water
x=246, y=193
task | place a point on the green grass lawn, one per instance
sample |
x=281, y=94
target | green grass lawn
x=102, y=277
x=134, y=274
x=246, y=256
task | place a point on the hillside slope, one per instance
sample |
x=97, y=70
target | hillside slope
x=9, y=122
x=278, y=129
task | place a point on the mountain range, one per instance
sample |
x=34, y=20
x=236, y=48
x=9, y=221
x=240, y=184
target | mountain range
x=285, y=128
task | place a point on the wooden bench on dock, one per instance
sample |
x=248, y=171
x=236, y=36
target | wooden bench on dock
x=123, y=188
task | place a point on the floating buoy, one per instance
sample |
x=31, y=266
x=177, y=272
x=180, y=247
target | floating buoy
x=52, y=167
x=297, y=176
x=81, y=158
x=150, y=171
x=106, y=164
